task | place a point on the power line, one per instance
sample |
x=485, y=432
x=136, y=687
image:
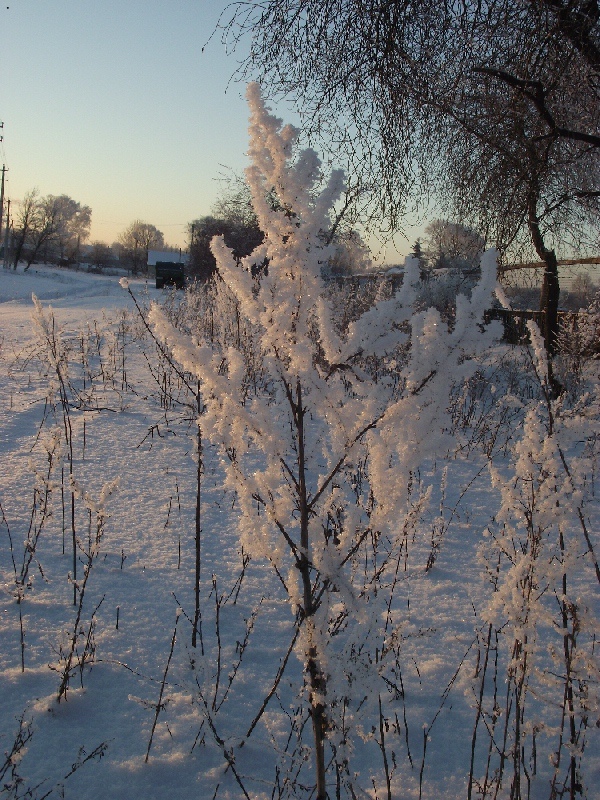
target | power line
x=157, y=224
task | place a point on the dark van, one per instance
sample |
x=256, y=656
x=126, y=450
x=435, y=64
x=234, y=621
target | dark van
x=168, y=273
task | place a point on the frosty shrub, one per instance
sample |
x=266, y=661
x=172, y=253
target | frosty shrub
x=441, y=290
x=579, y=348
x=323, y=451
x=545, y=576
x=349, y=300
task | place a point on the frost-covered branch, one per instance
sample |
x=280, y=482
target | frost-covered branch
x=293, y=446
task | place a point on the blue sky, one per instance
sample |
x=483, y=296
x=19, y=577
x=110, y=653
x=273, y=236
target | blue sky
x=114, y=103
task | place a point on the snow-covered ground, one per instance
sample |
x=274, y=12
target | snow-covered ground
x=140, y=589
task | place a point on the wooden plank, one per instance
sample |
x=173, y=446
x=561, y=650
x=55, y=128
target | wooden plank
x=563, y=262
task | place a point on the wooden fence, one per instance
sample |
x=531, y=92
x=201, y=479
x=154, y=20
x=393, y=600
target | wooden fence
x=515, y=322
x=562, y=262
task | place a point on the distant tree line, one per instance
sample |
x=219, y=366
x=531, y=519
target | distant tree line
x=134, y=243
x=55, y=229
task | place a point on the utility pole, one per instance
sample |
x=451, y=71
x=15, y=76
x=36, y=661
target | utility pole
x=191, y=250
x=2, y=187
x=6, y=235
x=2, y=192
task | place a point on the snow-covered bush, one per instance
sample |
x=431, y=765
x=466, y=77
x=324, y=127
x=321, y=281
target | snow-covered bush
x=441, y=290
x=579, y=348
x=326, y=452
x=540, y=560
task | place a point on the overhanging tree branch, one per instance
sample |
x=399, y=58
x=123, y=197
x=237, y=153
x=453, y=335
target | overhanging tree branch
x=535, y=92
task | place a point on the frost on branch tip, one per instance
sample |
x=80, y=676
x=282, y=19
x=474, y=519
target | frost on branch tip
x=539, y=351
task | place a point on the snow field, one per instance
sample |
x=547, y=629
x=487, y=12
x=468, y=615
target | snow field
x=442, y=610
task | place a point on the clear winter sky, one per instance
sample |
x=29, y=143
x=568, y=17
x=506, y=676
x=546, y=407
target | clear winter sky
x=113, y=103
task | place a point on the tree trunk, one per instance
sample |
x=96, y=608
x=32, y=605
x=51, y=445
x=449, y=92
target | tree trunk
x=197, y=628
x=315, y=675
x=549, y=301
x=550, y=286
x=19, y=248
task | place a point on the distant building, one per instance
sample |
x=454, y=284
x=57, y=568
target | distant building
x=171, y=256
x=167, y=267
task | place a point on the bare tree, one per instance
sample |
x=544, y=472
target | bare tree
x=101, y=255
x=72, y=226
x=233, y=217
x=450, y=244
x=351, y=255
x=53, y=225
x=136, y=240
x=24, y=222
x=234, y=202
x=44, y=228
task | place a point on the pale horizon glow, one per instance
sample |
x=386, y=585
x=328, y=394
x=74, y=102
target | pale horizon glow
x=116, y=104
